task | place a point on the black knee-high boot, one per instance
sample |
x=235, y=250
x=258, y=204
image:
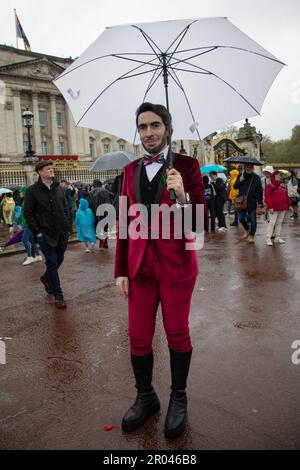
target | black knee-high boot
x=146, y=402
x=177, y=410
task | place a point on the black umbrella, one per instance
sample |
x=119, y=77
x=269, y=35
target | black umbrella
x=243, y=159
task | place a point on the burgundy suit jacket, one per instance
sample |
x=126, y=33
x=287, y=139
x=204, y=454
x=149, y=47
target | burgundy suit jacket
x=175, y=261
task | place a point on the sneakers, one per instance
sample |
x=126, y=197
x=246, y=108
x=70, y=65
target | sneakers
x=250, y=239
x=38, y=258
x=60, y=301
x=28, y=260
x=246, y=235
x=87, y=250
x=92, y=247
x=222, y=229
x=279, y=241
x=269, y=243
x=46, y=285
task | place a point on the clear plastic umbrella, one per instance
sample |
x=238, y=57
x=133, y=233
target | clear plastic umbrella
x=112, y=160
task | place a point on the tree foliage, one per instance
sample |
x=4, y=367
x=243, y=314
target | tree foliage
x=283, y=151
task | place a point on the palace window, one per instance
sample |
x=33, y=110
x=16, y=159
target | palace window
x=59, y=120
x=25, y=146
x=42, y=118
x=106, y=148
x=44, y=148
x=61, y=148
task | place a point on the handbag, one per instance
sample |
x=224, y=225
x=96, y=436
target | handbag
x=241, y=202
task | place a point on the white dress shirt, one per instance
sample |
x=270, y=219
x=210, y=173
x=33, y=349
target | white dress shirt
x=154, y=167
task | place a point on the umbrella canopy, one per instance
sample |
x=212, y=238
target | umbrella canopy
x=108, y=181
x=208, y=168
x=210, y=72
x=16, y=238
x=243, y=159
x=112, y=160
x=5, y=191
x=285, y=172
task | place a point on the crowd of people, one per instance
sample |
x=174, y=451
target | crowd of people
x=248, y=195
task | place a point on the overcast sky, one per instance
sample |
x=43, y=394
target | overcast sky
x=67, y=27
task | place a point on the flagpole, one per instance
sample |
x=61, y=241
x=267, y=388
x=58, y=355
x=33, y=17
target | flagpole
x=16, y=28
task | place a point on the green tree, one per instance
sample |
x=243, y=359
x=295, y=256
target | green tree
x=283, y=151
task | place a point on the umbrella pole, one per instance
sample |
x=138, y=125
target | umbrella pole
x=169, y=141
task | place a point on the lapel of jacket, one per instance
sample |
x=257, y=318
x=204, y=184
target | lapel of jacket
x=137, y=182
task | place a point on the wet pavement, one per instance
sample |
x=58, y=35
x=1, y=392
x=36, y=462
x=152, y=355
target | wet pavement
x=68, y=374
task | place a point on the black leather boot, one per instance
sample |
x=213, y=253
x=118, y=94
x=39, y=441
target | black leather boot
x=177, y=410
x=146, y=402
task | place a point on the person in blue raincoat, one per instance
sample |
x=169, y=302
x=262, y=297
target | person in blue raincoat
x=85, y=225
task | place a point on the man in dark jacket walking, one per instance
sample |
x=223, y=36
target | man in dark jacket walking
x=46, y=213
x=249, y=184
x=220, y=199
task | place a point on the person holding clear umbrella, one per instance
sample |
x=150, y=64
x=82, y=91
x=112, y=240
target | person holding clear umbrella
x=152, y=271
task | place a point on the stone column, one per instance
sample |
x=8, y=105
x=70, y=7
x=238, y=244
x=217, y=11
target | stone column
x=31, y=175
x=36, y=125
x=71, y=132
x=18, y=123
x=54, y=131
x=86, y=143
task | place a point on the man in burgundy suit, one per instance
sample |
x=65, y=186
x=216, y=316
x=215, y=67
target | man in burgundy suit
x=151, y=269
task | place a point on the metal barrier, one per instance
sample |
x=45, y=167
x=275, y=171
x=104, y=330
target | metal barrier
x=12, y=175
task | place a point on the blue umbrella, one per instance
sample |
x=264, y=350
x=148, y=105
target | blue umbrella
x=208, y=168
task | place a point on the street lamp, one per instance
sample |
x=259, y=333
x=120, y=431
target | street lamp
x=182, y=149
x=27, y=122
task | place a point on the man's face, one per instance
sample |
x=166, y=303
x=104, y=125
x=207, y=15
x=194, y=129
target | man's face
x=249, y=168
x=47, y=172
x=213, y=176
x=153, y=132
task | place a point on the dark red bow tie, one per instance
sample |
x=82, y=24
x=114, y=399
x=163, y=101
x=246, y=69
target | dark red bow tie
x=147, y=159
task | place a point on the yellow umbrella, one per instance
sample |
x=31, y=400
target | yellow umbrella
x=283, y=171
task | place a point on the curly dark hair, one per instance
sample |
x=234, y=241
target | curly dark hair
x=158, y=109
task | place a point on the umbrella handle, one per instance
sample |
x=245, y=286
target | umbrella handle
x=170, y=166
x=172, y=195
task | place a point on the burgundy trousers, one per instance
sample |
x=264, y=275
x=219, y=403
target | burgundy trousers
x=149, y=288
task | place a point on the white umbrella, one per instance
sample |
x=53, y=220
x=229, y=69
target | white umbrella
x=210, y=72
x=112, y=160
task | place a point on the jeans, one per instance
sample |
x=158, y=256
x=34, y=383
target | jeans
x=54, y=257
x=250, y=215
x=220, y=213
x=211, y=206
x=28, y=242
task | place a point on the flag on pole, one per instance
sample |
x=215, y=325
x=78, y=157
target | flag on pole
x=21, y=34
